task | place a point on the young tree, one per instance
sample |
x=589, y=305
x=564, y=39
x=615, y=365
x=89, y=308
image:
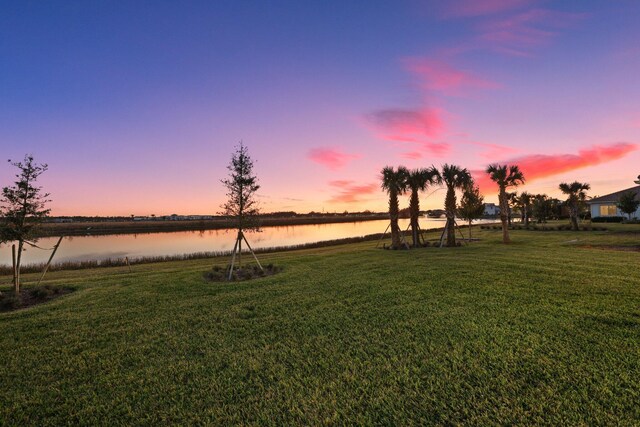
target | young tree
x=505, y=176
x=394, y=182
x=418, y=180
x=471, y=204
x=628, y=203
x=454, y=178
x=241, y=204
x=23, y=208
x=541, y=208
x=576, y=192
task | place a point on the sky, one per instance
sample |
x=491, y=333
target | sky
x=137, y=106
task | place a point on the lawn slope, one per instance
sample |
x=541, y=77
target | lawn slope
x=540, y=331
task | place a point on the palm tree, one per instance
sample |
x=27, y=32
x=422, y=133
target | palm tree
x=418, y=180
x=505, y=176
x=576, y=192
x=638, y=181
x=453, y=177
x=523, y=201
x=394, y=182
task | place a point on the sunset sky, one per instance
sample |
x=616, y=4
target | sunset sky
x=137, y=106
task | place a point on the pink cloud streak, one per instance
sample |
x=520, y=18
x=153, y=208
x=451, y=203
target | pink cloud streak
x=407, y=125
x=518, y=34
x=439, y=76
x=538, y=166
x=332, y=158
x=350, y=192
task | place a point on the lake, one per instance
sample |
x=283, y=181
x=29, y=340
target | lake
x=80, y=248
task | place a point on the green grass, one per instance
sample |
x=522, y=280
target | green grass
x=542, y=331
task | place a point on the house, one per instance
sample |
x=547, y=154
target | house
x=491, y=209
x=604, y=206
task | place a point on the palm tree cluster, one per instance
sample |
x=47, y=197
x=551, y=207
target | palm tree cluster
x=399, y=181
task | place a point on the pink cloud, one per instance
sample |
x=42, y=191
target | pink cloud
x=332, y=158
x=492, y=151
x=439, y=76
x=518, y=34
x=412, y=155
x=538, y=166
x=407, y=125
x=437, y=149
x=351, y=192
x=472, y=8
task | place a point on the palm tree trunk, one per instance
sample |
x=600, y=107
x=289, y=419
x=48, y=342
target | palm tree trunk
x=393, y=218
x=415, y=212
x=450, y=207
x=470, y=230
x=504, y=215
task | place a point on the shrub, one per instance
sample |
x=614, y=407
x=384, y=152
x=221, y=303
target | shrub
x=607, y=219
x=9, y=302
x=42, y=292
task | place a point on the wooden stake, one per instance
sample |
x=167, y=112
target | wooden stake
x=126, y=259
x=446, y=226
x=455, y=224
x=55, y=248
x=240, y=236
x=13, y=253
x=233, y=258
x=383, y=234
x=252, y=253
x=18, y=259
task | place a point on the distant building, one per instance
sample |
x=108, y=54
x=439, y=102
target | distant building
x=604, y=206
x=491, y=209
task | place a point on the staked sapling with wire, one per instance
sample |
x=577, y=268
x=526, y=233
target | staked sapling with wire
x=22, y=210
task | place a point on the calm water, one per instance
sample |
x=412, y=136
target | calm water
x=184, y=242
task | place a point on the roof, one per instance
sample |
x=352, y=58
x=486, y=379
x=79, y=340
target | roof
x=614, y=197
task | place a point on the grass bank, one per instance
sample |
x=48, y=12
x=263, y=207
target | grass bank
x=542, y=331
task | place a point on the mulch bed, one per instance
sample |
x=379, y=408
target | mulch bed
x=31, y=296
x=220, y=274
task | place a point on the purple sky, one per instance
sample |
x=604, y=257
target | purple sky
x=137, y=106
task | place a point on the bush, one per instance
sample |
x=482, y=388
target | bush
x=9, y=302
x=607, y=219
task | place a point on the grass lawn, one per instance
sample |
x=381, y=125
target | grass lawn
x=542, y=331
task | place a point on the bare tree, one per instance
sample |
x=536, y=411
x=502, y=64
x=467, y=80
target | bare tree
x=22, y=208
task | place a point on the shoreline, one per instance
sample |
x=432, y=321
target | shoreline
x=51, y=229
x=5, y=270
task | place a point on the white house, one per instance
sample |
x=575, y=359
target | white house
x=491, y=209
x=606, y=205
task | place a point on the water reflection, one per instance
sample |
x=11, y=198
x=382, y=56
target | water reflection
x=81, y=248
